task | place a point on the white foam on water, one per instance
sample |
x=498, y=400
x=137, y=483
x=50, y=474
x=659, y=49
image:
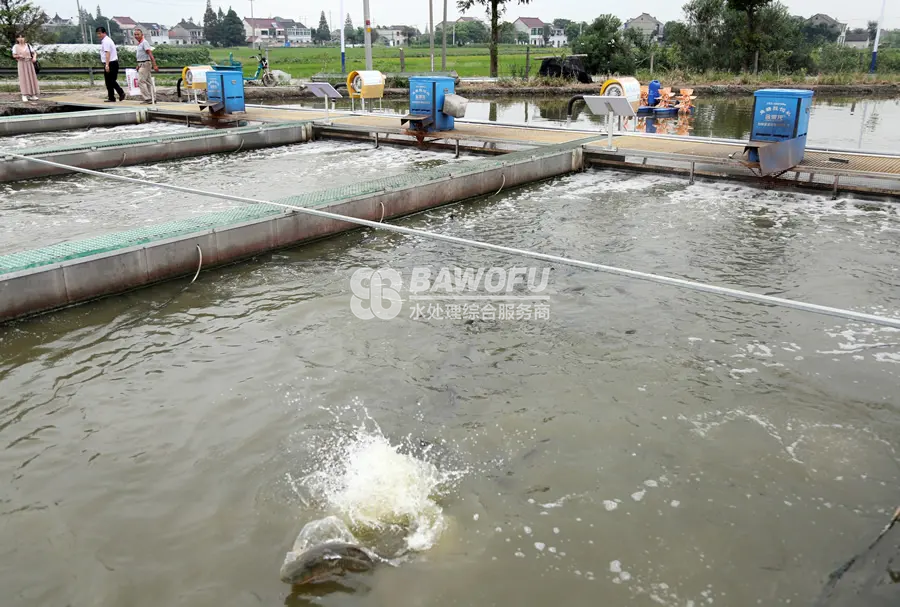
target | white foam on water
x=370, y=483
x=638, y=496
x=610, y=505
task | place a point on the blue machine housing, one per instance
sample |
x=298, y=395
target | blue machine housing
x=225, y=91
x=780, y=125
x=780, y=114
x=426, y=97
x=653, y=92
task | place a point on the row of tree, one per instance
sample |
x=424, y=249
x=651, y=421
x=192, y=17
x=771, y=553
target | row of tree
x=719, y=35
x=222, y=29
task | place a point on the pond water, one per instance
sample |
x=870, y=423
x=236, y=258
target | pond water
x=870, y=123
x=630, y=445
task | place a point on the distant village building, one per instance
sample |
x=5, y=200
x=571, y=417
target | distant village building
x=276, y=31
x=394, y=35
x=558, y=37
x=186, y=33
x=859, y=40
x=533, y=28
x=295, y=33
x=127, y=24
x=649, y=26
x=57, y=22
x=155, y=33
x=823, y=19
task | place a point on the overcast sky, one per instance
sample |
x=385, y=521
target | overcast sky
x=415, y=12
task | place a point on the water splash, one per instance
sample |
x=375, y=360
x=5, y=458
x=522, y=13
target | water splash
x=388, y=493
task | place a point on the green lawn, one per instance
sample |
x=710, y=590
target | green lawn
x=467, y=61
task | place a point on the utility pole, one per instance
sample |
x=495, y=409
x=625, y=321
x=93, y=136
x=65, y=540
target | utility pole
x=877, y=39
x=251, y=8
x=444, y=40
x=431, y=27
x=368, y=24
x=81, y=22
x=343, y=51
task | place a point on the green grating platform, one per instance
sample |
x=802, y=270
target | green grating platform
x=79, y=114
x=131, y=141
x=26, y=260
x=64, y=251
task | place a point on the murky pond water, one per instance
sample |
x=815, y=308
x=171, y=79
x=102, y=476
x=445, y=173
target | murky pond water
x=42, y=212
x=868, y=123
x=631, y=444
x=634, y=445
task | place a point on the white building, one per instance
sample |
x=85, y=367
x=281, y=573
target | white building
x=395, y=35
x=275, y=31
x=558, y=37
x=295, y=32
x=533, y=27
x=155, y=33
x=854, y=40
x=649, y=26
x=186, y=33
x=127, y=25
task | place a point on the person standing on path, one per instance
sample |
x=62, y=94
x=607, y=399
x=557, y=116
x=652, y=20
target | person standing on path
x=145, y=59
x=110, y=59
x=26, y=58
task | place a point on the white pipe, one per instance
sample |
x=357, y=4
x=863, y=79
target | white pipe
x=678, y=282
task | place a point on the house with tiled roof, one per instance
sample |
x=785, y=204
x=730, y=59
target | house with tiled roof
x=155, y=33
x=58, y=21
x=533, y=27
x=187, y=33
x=276, y=31
x=649, y=26
x=127, y=24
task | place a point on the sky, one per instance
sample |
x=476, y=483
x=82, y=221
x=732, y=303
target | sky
x=415, y=12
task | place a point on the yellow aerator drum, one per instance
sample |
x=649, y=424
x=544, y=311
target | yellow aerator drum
x=366, y=84
x=194, y=76
x=627, y=87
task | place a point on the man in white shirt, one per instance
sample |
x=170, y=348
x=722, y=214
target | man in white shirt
x=110, y=59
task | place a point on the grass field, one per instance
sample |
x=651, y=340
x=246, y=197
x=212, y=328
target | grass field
x=468, y=61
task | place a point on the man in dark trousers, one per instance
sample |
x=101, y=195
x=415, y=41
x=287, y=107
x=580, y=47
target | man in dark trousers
x=110, y=59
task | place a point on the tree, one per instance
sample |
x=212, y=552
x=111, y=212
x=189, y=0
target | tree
x=604, y=46
x=411, y=34
x=872, y=27
x=573, y=30
x=20, y=17
x=211, y=25
x=751, y=7
x=112, y=28
x=562, y=24
x=349, y=31
x=323, y=33
x=231, y=30
x=507, y=33
x=547, y=32
x=496, y=8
